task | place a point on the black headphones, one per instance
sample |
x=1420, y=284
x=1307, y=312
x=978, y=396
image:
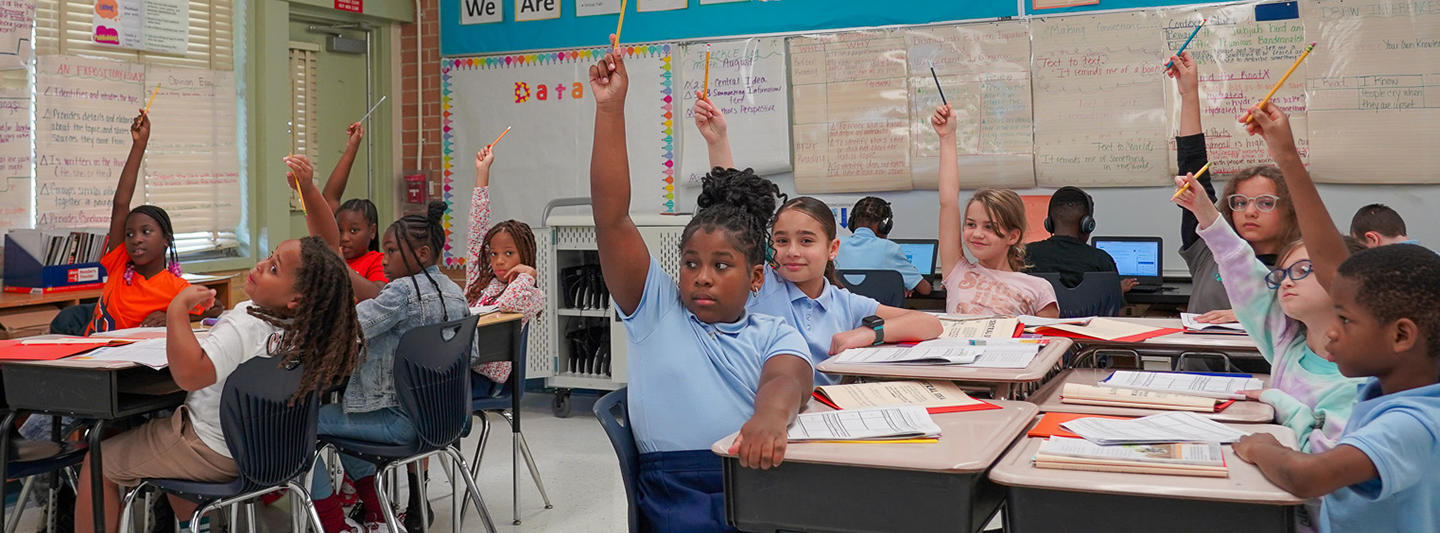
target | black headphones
x=887, y=222
x=1087, y=222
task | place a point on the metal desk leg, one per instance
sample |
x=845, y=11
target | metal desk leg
x=5, y=444
x=97, y=476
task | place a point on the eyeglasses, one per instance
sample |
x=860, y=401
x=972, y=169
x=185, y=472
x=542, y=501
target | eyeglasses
x=1298, y=271
x=1265, y=202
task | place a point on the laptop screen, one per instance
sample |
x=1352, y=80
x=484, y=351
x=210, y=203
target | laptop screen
x=920, y=253
x=1133, y=258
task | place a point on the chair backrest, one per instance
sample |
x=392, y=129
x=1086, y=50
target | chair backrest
x=271, y=439
x=613, y=412
x=1098, y=295
x=432, y=379
x=884, y=286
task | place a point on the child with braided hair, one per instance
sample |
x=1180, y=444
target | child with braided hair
x=299, y=312
x=501, y=269
x=418, y=295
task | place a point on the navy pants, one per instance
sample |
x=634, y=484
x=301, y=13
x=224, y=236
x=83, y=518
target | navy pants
x=682, y=492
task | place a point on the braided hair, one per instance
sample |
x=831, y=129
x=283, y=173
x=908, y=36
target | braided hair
x=739, y=202
x=869, y=210
x=323, y=333
x=365, y=208
x=414, y=231
x=524, y=243
x=817, y=210
x=167, y=229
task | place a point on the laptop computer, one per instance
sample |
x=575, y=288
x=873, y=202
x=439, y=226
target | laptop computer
x=1136, y=257
x=921, y=253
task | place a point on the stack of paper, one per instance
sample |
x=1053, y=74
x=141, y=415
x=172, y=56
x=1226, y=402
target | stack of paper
x=915, y=355
x=994, y=353
x=1205, y=459
x=484, y=310
x=982, y=328
x=935, y=396
x=1179, y=426
x=1196, y=326
x=1207, y=385
x=1082, y=394
x=1107, y=329
x=873, y=424
x=150, y=353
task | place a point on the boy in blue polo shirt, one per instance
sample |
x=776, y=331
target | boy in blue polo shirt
x=869, y=246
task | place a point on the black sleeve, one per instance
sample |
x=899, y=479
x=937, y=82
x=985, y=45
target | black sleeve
x=1190, y=155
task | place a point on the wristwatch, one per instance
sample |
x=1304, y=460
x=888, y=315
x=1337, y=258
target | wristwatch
x=878, y=324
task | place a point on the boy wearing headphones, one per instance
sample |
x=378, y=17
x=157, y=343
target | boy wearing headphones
x=868, y=247
x=1070, y=221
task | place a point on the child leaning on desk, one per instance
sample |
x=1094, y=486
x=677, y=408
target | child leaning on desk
x=299, y=311
x=701, y=366
x=1384, y=473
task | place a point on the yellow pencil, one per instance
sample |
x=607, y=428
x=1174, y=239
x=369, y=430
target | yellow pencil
x=152, y=98
x=298, y=192
x=707, y=72
x=502, y=136
x=1186, y=187
x=615, y=41
x=1266, y=100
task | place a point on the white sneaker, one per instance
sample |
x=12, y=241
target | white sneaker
x=352, y=526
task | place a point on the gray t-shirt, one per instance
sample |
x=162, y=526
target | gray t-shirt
x=1206, y=292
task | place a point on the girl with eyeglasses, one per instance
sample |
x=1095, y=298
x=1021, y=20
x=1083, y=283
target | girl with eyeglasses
x=1255, y=203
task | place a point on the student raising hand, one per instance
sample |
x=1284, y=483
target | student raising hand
x=140, y=128
x=1274, y=126
x=1190, y=199
x=1185, y=73
x=711, y=123
x=943, y=121
x=483, y=159
x=608, y=82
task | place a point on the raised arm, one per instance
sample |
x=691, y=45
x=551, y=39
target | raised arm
x=711, y=123
x=1322, y=238
x=335, y=186
x=189, y=365
x=125, y=190
x=624, y=260
x=320, y=219
x=1190, y=151
x=479, y=217
x=1187, y=82
x=950, y=251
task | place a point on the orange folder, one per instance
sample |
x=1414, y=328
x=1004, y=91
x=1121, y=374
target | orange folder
x=1049, y=424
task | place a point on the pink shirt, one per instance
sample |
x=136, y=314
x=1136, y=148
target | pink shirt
x=971, y=289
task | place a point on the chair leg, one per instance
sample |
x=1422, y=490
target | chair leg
x=250, y=517
x=303, y=497
x=234, y=520
x=14, y=518
x=534, y=472
x=127, y=509
x=480, y=446
x=457, y=505
x=385, y=503
x=200, y=513
x=472, y=488
x=424, y=478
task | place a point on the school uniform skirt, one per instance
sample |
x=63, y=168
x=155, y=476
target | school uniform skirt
x=682, y=492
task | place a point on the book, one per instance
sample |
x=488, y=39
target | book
x=1204, y=459
x=910, y=355
x=957, y=327
x=877, y=424
x=1176, y=426
x=1106, y=329
x=1192, y=325
x=1208, y=385
x=1082, y=394
x=935, y=396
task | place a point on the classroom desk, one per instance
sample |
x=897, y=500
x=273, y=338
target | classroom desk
x=1048, y=398
x=1040, y=500
x=1175, y=345
x=879, y=487
x=1004, y=383
x=10, y=300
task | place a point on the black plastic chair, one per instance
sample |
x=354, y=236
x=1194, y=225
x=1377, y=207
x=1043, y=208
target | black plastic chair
x=271, y=439
x=613, y=412
x=26, y=459
x=432, y=384
x=509, y=398
x=1097, y=295
x=884, y=286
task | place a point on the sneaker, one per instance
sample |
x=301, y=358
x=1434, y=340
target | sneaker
x=412, y=520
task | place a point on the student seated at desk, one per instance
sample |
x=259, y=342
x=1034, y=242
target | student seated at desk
x=869, y=246
x=1384, y=476
x=701, y=366
x=1379, y=225
x=1255, y=203
x=1070, y=220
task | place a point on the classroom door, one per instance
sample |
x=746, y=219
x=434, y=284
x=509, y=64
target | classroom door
x=340, y=91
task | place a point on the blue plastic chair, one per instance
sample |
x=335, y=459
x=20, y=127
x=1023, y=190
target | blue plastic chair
x=1097, y=295
x=613, y=412
x=884, y=286
x=271, y=439
x=509, y=398
x=432, y=384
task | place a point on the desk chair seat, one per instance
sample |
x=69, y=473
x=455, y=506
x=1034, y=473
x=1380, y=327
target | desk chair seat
x=28, y=459
x=613, y=412
x=1097, y=295
x=884, y=286
x=271, y=439
x=508, y=399
x=432, y=384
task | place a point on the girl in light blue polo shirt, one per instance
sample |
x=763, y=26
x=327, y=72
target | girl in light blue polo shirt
x=701, y=366
x=801, y=287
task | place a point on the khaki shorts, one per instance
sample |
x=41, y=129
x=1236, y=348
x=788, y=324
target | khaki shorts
x=164, y=449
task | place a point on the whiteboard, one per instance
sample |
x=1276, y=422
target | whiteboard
x=546, y=99
x=749, y=82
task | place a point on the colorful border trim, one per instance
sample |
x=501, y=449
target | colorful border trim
x=447, y=143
